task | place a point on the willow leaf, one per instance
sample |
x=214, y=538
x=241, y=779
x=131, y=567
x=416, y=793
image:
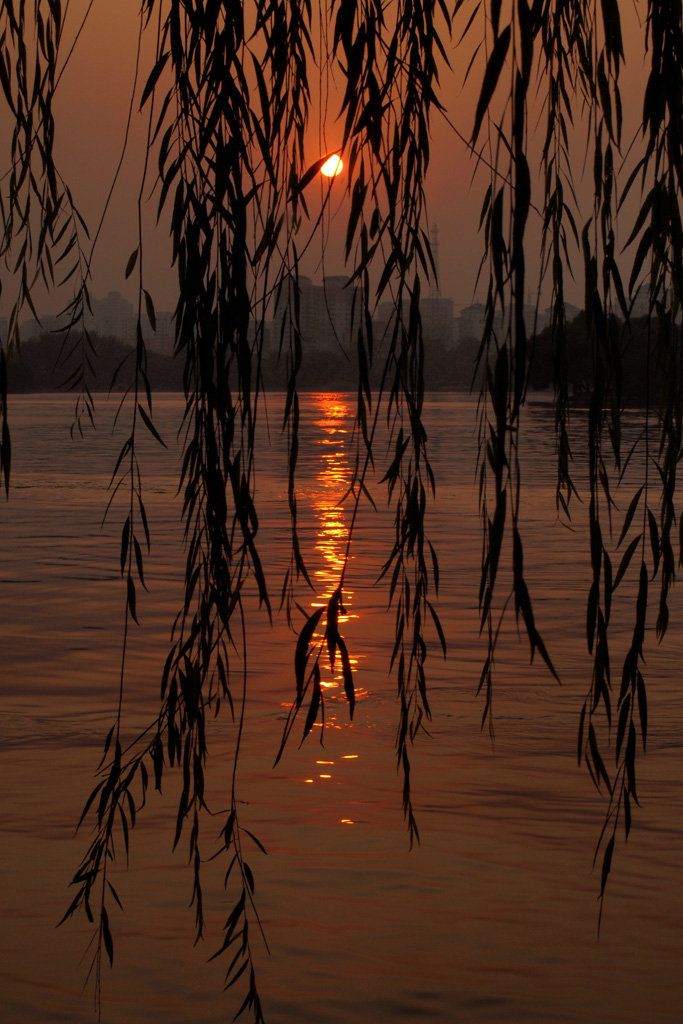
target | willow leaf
x=491, y=76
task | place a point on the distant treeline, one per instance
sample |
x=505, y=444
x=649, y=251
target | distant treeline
x=632, y=341
x=43, y=366
x=446, y=369
x=47, y=364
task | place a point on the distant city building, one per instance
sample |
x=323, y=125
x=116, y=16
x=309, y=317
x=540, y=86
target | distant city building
x=163, y=339
x=342, y=305
x=112, y=317
x=437, y=320
x=436, y=313
x=472, y=320
x=328, y=314
x=48, y=324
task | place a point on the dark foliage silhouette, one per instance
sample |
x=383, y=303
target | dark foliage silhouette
x=228, y=102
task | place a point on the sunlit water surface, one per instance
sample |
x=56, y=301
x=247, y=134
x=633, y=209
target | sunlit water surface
x=492, y=918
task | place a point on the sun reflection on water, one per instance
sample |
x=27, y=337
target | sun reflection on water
x=332, y=421
x=333, y=481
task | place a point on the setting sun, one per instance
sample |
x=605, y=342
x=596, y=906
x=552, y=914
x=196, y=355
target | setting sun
x=332, y=167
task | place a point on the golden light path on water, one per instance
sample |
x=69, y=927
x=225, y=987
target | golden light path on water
x=333, y=419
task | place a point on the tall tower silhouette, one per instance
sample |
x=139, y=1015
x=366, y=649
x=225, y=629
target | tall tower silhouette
x=435, y=289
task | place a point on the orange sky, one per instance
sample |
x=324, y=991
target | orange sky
x=92, y=106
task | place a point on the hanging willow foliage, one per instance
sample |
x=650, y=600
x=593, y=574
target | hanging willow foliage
x=229, y=107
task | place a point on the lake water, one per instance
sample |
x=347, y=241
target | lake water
x=492, y=918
